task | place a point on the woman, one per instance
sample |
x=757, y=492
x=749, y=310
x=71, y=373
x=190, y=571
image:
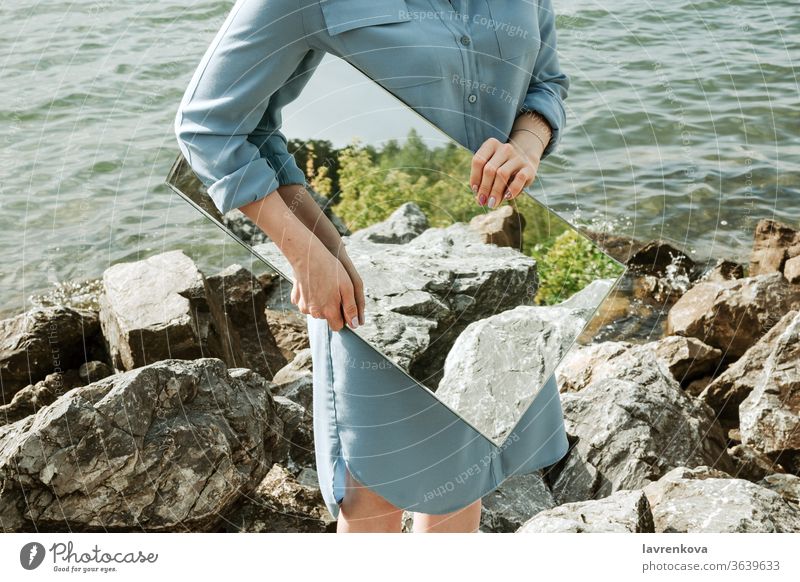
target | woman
x=484, y=72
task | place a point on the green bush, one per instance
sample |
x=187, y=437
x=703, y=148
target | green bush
x=567, y=265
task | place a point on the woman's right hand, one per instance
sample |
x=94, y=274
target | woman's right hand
x=323, y=288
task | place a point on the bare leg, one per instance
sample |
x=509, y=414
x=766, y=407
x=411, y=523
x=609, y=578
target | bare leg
x=363, y=510
x=465, y=520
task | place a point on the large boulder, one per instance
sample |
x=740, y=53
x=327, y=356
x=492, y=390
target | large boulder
x=625, y=511
x=770, y=414
x=149, y=310
x=516, y=499
x=407, y=222
x=492, y=387
x=237, y=303
x=728, y=390
x=43, y=341
x=163, y=307
x=684, y=358
x=169, y=446
x=632, y=425
x=733, y=315
x=702, y=499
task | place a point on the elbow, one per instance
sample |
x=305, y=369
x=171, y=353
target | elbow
x=183, y=135
x=228, y=166
x=561, y=84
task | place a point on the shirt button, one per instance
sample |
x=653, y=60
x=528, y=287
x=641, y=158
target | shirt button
x=472, y=98
x=465, y=40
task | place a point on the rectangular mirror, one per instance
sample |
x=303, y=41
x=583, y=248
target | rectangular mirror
x=477, y=306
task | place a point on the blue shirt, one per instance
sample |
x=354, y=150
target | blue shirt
x=469, y=66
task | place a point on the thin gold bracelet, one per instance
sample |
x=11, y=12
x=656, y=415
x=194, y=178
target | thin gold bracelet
x=544, y=145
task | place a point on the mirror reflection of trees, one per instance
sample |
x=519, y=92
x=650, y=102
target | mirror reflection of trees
x=364, y=183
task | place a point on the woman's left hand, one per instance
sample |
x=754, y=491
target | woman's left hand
x=500, y=171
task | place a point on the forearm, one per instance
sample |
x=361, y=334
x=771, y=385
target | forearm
x=531, y=133
x=305, y=208
x=287, y=231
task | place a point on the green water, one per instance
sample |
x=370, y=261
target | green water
x=683, y=125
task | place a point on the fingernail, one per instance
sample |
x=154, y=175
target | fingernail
x=354, y=323
x=482, y=199
x=474, y=188
x=507, y=194
x=491, y=202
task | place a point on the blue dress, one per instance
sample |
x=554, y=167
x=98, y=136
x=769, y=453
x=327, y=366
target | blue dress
x=470, y=67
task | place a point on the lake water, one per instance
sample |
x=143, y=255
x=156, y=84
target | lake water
x=683, y=124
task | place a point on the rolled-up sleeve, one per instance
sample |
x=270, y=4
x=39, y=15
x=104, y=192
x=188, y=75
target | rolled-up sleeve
x=228, y=122
x=549, y=84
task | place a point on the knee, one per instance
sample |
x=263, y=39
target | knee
x=361, y=501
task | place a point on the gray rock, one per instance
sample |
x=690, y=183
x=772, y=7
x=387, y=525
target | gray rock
x=407, y=222
x=733, y=315
x=702, y=499
x=577, y=369
x=687, y=358
x=770, y=414
x=296, y=448
x=728, y=390
x=621, y=360
x=31, y=398
x=42, y=341
x=237, y=302
x=296, y=380
x=632, y=426
x=751, y=464
x=625, y=511
x=516, y=500
x=786, y=484
x=684, y=359
x=281, y=504
x=147, y=310
x=163, y=307
x=170, y=446
x=492, y=389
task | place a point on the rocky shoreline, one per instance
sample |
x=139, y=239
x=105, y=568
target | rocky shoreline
x=180, y=401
